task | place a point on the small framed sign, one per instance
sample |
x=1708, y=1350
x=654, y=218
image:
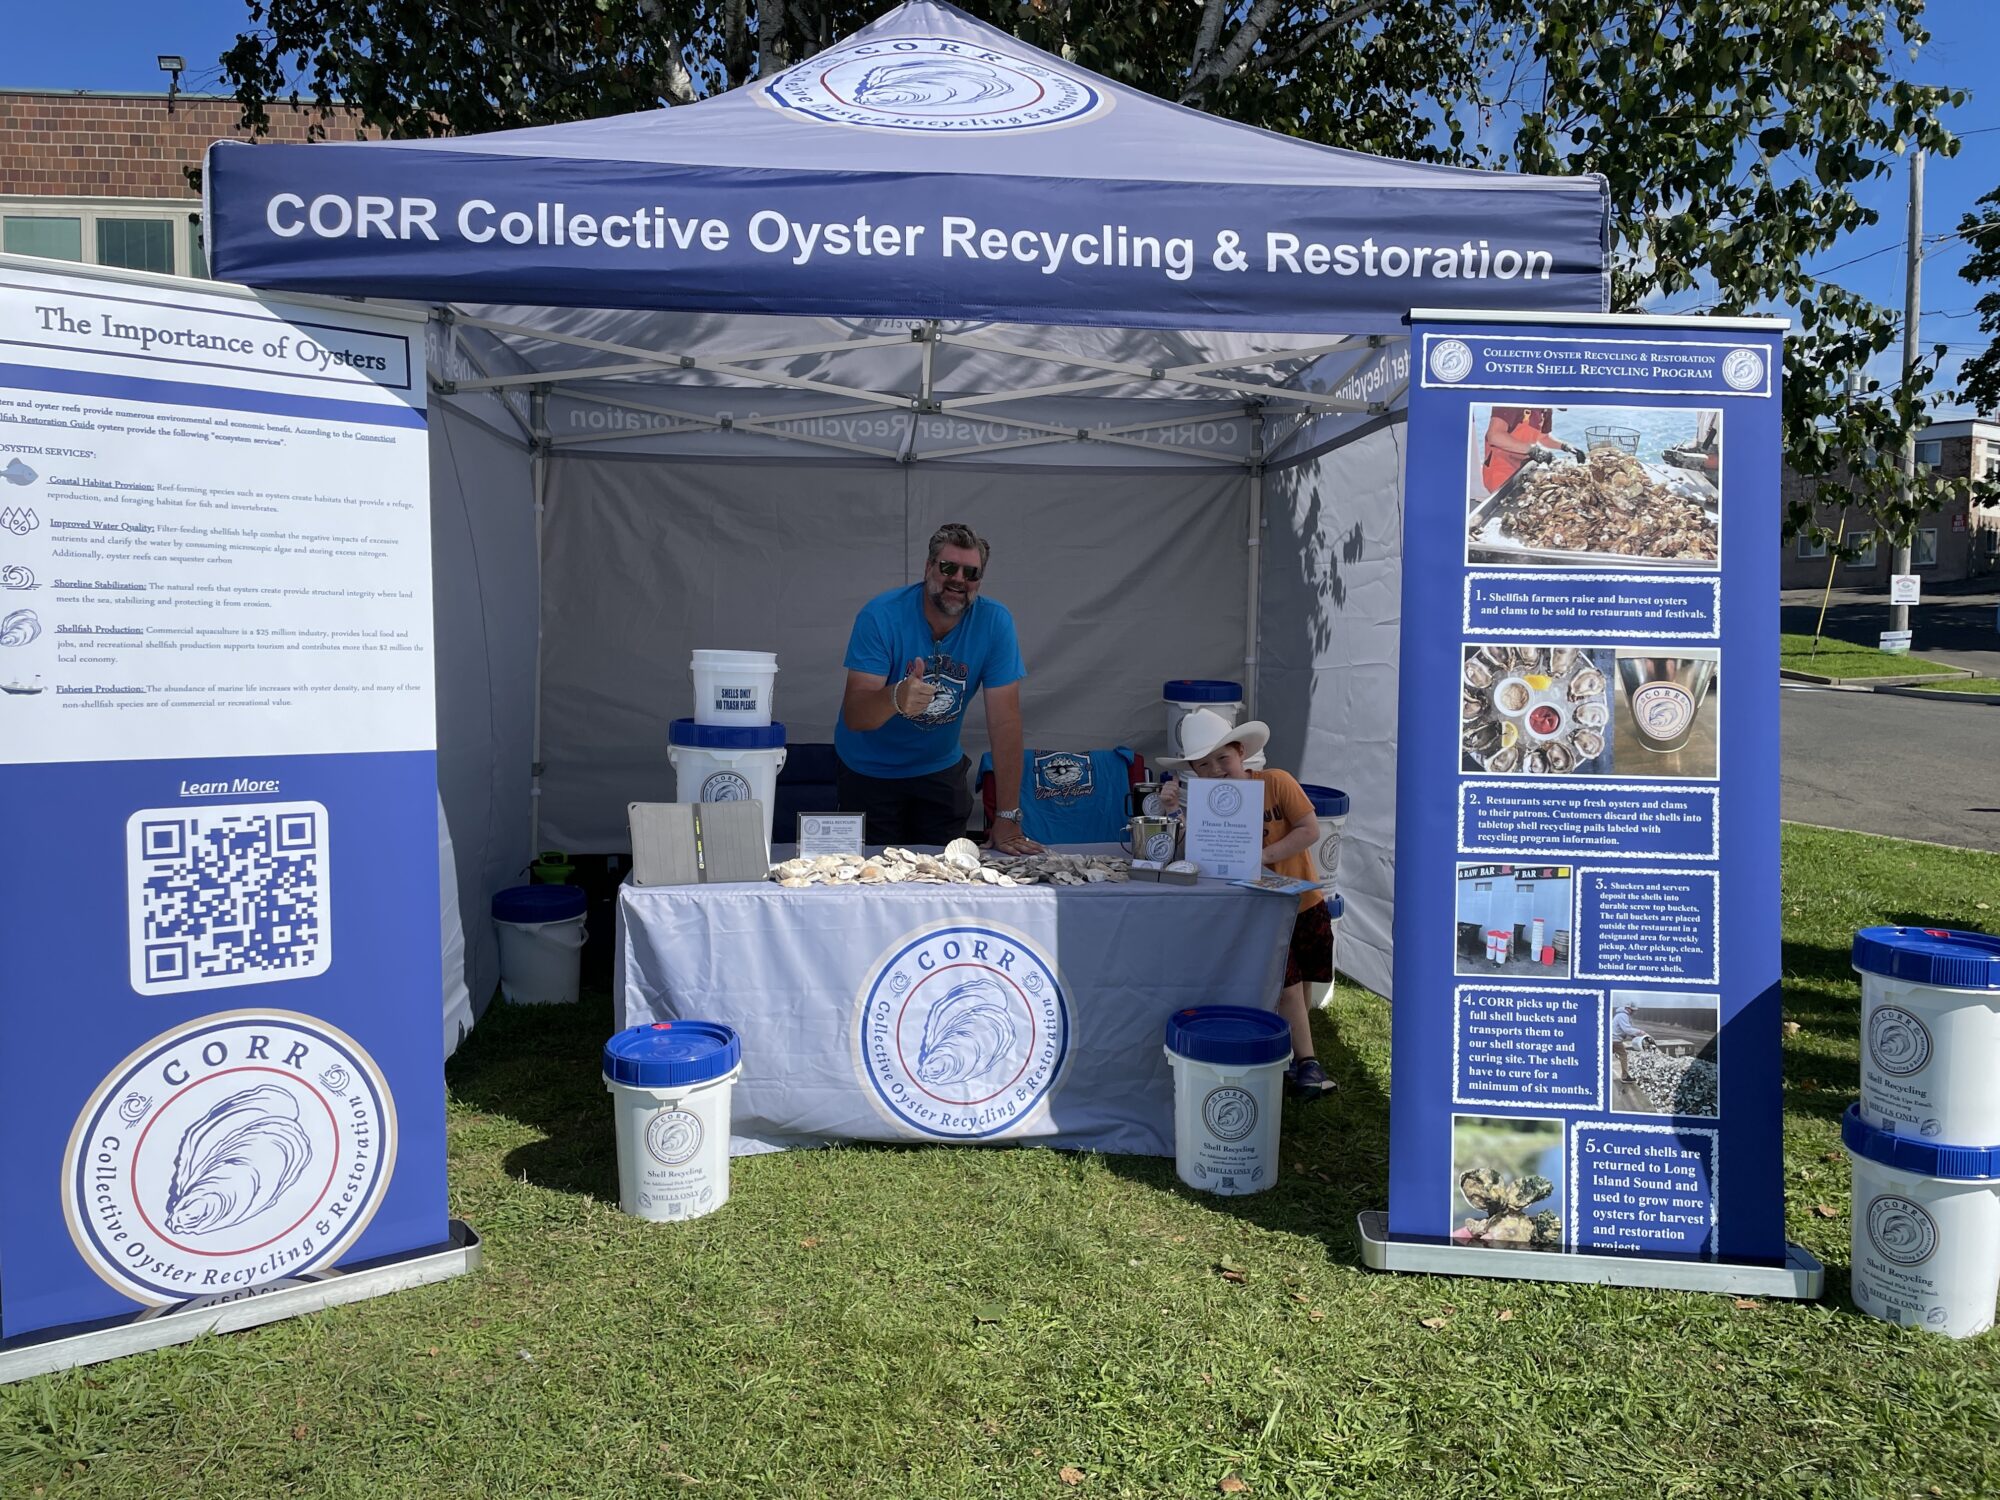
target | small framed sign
x=832, y=833
x=1906, y=588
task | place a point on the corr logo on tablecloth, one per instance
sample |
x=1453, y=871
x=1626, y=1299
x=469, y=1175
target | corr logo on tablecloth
x=962, y=1030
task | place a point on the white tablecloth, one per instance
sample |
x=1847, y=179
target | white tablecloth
x=949, y=1013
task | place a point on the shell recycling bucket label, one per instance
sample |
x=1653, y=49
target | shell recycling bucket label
x=961, y=1032
x=228, y=1153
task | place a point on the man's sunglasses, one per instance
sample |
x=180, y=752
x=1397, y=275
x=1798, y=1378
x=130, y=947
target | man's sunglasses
x=952, y=570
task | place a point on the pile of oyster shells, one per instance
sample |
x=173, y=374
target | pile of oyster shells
x=1676, y=1085
x=960, y=864
x=1611, y=504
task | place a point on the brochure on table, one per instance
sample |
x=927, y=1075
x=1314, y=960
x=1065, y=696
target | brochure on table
x=1587, y=961
x=220, y=1064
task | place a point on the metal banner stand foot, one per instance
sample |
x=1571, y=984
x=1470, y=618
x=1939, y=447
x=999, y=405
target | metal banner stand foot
x=1801, y=1277
x=74, y=1344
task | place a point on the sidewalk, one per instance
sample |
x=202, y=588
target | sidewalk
x=1954, y=626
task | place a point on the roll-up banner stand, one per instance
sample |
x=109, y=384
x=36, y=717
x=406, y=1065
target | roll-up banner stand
x=1587, y=1022
x=221, y=1081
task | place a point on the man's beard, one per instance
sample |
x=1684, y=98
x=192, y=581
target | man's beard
x=950, y=603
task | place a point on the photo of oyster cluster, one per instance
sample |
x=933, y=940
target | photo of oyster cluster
x=1507, y=1182
x=1575, y=486
x=1535, y=711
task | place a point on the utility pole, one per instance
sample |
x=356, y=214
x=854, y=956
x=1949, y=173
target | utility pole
x=1899, y=614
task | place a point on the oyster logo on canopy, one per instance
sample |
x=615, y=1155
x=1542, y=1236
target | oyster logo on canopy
x=962, y=1031
x=249, y=1168
x=1898, y=1043
x=1901, y=1230
x=933, y=85
x=1451, y=360
x=1743, y=369
x=725, y=786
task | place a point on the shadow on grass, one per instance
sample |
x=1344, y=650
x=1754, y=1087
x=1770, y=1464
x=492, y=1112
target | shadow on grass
x=1334, y=1155
x=539, y=1065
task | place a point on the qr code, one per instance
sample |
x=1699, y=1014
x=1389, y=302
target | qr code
x=228, y=895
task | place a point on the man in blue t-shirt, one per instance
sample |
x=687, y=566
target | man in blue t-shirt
x=914, y=661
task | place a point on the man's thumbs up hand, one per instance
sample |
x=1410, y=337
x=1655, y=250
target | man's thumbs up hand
x=914, y=692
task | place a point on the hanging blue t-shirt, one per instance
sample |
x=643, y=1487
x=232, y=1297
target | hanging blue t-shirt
x=890, y=633
x=1073, y=796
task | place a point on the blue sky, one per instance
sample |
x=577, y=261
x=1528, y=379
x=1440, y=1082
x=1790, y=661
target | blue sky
x=48, y=49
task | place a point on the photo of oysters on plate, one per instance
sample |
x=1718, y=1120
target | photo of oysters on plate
x=1534, y=711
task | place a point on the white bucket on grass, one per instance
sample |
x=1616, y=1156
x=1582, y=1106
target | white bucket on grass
x=1930, y=1032
x=734, y=687
x=540, y=928
x=1926, y=1229
x=670, y=1084
x=1228, y=1063
x=727, y=764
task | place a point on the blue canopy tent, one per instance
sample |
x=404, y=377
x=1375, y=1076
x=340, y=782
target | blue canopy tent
x=709, y=376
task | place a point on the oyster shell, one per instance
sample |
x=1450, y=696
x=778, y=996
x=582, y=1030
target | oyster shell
x=1503, y=760
x=1534, y=763
x=1477, y=673
x=1562, y=658
x=237, y=1161
x=1558, y=756
x=1483, y=736
x=1588, y=683
x=1592, y=715
x=1470, y=706
x=1611, y=503
x=1588, y=744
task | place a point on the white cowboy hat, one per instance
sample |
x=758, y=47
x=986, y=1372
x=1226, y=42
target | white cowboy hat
x=1205, y=731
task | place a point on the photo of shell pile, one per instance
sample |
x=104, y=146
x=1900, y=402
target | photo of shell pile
x=1676, y=1085
x=1535, y=711
x=1573, y=486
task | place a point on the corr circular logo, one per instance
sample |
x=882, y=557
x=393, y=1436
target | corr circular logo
x=934, y=85
x=1160, y=846
x=1329, y=853
x=1229, y=1113
x=1743, y=369
x=1901, y=1230
x=673, y=1136
x=1663, y=711
x=1898, y=1043
x=962, y=1030
x=725, y=786
x=1451, y=360
x=1224, y=800
x=226, y=1153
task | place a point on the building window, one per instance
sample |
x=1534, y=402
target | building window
x=131, y=234
x=1482, y=885
x=1923, y=552
x=136, y=244
x=1992, y=470
x=1865, y=556
x=58, y=239
x=1810, y=549
x=1929, y=453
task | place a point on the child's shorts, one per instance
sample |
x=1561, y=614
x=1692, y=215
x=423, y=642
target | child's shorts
x=1311, y=958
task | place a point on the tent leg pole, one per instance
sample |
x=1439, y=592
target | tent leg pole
x=1254, y=549
x=538, y=408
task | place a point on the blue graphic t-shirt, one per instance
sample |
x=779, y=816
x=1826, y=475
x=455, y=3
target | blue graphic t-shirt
x=889, y=634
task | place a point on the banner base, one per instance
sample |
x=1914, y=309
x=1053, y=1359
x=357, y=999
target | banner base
x=74, y=1344
x=1801, y=1277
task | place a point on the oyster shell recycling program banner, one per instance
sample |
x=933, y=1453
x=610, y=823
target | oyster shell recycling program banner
x=220, y=1059
x=1586, y=933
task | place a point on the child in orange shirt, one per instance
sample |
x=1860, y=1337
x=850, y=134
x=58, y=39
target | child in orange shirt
x=1212, y=747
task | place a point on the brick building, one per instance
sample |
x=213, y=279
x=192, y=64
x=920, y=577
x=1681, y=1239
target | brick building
x=1961, y=541
x=101, y=178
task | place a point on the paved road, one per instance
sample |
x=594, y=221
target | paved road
x=1881, y=763
x=1954, y=625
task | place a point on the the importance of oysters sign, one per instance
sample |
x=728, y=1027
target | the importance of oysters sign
x=220, y=1063
x=1586, y=1040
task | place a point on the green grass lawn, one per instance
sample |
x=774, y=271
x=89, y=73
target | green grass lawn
x=1987, y=685
x=943, y=1322
x=1845, y=659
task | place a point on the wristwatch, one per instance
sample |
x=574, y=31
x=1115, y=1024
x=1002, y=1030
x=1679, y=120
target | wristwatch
x=1012, y=815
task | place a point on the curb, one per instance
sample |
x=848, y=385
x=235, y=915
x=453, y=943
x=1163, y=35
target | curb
x=1790, y=674
x=1946, y=694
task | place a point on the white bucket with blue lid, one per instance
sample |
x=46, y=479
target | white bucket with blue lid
x=670, y=1084
x=1228, y=1063
x=1926, y=1229
x=733, y=763
x=1329, y=805
x=1185, y=694
x=734, y=687
x=1930, y=1032
x=540, y=928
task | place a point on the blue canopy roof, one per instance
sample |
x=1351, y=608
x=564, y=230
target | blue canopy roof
x=927, y=166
